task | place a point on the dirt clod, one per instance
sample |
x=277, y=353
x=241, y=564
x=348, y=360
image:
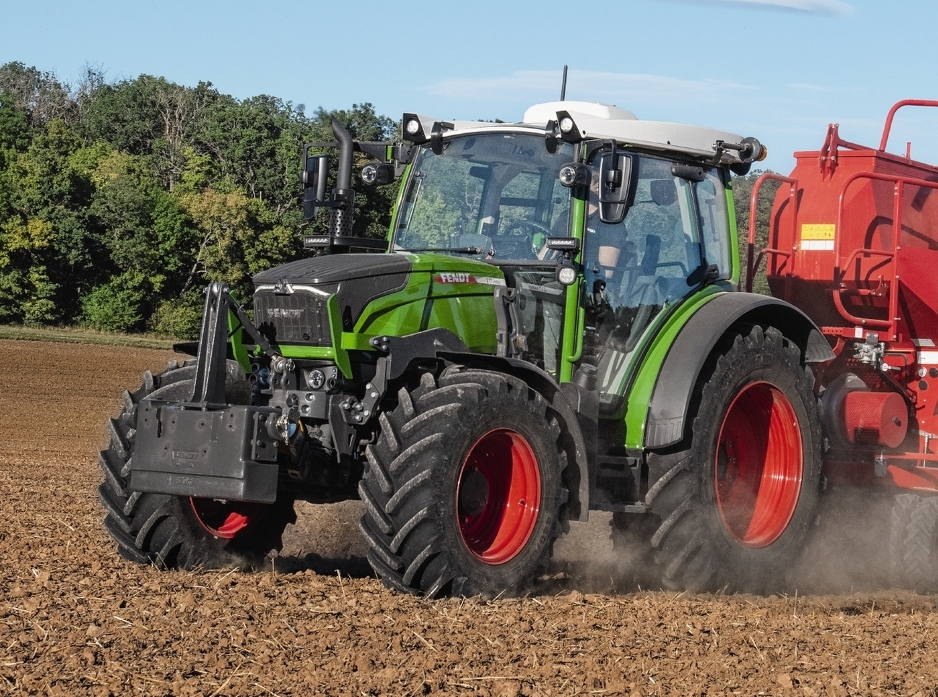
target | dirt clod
x=76, y=619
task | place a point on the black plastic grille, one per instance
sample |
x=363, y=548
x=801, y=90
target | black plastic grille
x=298, y=318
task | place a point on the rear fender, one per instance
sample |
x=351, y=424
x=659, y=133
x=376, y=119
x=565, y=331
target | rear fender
x=667, y=409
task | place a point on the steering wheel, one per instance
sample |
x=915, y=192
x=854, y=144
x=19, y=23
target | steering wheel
x=525, y=230
x=521, y=224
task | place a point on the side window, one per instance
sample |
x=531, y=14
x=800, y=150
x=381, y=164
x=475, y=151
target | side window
x=714, y=222
x=636, y=269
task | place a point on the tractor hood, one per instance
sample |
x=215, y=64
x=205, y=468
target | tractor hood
x=291, y=300
x=376, y=294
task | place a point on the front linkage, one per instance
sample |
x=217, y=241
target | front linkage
x=203, y=446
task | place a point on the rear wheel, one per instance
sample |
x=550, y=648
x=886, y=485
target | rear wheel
x=177, y=531
x=463, y=489
x=737, y=497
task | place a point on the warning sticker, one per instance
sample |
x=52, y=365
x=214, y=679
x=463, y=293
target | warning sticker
x=815, y=231
x=926, y=357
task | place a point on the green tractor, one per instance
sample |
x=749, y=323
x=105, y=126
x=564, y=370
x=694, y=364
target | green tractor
x=552, y=327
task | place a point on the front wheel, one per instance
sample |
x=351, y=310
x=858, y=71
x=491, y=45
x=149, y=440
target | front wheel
x=736, y=498
x=463, y=490
x=179, y=531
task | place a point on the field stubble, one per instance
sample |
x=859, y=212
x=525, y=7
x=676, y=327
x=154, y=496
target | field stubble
x=75, y=619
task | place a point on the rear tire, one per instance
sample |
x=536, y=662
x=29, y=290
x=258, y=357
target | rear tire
x=462, y=490
x=178, y=531
x=737, y=497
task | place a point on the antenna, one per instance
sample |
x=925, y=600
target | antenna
x=563, y=86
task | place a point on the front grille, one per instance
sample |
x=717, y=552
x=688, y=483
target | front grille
x=298, y=318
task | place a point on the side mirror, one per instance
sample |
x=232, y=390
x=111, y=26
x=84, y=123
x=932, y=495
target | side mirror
x=315, y=172
x=616, y=186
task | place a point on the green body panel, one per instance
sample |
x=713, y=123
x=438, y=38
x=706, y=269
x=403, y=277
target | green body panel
x=335, y=330
x=734, y=233
x=442, y=292
x=661, y=335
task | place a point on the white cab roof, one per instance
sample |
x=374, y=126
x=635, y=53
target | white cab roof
x=607, y=122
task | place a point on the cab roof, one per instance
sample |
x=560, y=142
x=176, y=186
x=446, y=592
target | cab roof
x=596, y=121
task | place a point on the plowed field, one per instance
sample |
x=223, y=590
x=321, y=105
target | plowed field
x=75, y=619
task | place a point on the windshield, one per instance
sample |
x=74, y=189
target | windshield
x=491, y=195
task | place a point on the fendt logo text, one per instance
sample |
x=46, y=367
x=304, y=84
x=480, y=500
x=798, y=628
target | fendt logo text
x=284, y=313
x=454, y=277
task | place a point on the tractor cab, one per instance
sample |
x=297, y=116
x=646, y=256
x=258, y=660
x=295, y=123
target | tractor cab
x=644, y=204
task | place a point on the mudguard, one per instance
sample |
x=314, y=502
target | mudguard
x=667, y=409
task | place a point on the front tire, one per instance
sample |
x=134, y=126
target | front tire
x=737, y=497
x=462, y=490
x=179, y=531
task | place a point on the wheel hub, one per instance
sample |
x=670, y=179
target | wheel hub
x=758, y=465
x=473, y=494
x=498, y=496
x=227, y=519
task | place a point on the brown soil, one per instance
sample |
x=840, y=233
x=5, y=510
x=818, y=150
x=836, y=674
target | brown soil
x=75, y=619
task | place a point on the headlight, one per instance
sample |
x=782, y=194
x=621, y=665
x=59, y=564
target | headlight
x=566, y=274
x=574, y=174
x=316, y=379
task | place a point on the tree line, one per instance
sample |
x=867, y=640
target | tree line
x=120, y=200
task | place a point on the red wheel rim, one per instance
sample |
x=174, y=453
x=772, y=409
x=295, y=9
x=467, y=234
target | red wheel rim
x=498, y=496
x=227, y=519
x=759, y=465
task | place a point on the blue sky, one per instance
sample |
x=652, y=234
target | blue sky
x=780, y=70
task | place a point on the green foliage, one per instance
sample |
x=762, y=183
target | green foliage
x=742, y=193
x=119, y=201
x=14, y=129
x=26, y=296
x=116, y=305
x=178, y=317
